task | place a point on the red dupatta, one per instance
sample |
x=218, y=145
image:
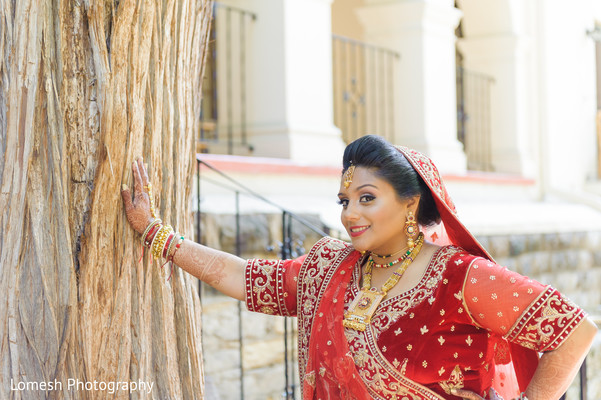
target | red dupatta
x=330, y=370
x=520, y=361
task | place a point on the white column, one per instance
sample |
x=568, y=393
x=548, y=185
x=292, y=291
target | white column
x=290, y=95
x=495, y=44
x=423, y=32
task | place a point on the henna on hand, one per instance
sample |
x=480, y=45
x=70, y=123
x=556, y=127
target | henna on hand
x=137, y=210
x=223, y=271
x=213, y=270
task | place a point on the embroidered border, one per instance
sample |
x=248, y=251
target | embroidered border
x=428, y=170
x=261, y=294
x=547, y=322
x=315, y=274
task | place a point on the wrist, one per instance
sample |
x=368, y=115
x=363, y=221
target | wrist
x=148, y=223
x=151, y=231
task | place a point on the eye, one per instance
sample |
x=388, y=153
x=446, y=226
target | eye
x=366, y=198
x=343, y=202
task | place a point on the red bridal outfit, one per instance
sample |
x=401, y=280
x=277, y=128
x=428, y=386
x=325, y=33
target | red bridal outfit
x=469, y=323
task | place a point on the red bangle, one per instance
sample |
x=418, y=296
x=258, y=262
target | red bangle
x=151, y=234
x=167, y=243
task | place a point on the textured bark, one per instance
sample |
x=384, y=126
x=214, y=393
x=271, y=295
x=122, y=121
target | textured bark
x=86, y=86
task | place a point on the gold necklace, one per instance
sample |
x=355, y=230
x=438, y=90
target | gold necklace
x=365, y=304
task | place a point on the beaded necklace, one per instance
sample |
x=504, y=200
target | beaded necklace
x=390, y=264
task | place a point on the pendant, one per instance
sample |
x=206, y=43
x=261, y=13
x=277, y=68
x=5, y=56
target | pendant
x=362, y=309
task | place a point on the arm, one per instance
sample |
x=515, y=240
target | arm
x=223, y=271
x=533, y=315
x=557, y=368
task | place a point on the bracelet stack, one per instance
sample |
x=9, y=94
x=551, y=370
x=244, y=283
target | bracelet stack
x=162, y=240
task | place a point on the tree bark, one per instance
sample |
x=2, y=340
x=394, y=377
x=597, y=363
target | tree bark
x=86, y=86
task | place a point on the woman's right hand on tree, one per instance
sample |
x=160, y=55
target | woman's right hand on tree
x=137, y=210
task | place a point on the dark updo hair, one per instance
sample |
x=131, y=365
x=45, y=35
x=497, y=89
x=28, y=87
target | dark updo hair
x=387, y=162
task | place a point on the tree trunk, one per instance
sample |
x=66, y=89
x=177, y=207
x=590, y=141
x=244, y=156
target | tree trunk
x=86, y=86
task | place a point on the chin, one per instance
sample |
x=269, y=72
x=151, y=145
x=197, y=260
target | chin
x=359, y=246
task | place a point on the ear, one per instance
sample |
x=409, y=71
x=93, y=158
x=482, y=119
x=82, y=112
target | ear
x=413, y=204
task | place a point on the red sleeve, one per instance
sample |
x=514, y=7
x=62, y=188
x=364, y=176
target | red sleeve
x=522, y=310
x=271, y=286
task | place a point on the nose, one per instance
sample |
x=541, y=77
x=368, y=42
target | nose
x=350, y=213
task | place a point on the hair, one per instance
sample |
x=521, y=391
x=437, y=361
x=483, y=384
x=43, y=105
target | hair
x=387, y=162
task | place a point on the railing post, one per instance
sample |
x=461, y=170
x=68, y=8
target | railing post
x=583, y=381
x=291, y=334
x=288, y=358
x=240, y=333
x=284, y=252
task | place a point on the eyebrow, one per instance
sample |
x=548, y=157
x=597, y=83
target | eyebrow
x=360, y=187
x=367, y=184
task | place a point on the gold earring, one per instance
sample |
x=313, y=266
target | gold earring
x=348, y=176
x=411, y=230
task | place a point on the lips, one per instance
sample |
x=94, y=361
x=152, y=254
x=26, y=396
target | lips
x=357, y=230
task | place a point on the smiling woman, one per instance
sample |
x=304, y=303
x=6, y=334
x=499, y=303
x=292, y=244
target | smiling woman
x=413, y=308
x=374, y=214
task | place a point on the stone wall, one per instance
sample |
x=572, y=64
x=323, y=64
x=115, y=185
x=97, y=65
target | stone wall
x=569, y=261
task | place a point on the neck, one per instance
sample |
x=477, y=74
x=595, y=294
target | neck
x=385, y=254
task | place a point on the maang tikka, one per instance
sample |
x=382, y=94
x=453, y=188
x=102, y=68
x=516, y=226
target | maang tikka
x=348, y=176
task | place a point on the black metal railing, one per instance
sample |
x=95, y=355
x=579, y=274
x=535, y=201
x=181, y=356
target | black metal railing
x=363, y=80
x=223, y=116
x=474, y=118
x=289, y=247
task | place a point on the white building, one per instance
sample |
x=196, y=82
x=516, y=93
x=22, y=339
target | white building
x=504, y=95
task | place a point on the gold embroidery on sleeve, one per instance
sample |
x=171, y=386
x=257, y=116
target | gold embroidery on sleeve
x=455, y=380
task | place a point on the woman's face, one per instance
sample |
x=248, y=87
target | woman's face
x=372, y=213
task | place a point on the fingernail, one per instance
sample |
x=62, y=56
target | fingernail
x=124, y=187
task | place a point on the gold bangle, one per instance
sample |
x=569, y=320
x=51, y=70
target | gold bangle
x=159, y=245
x=157, y=239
